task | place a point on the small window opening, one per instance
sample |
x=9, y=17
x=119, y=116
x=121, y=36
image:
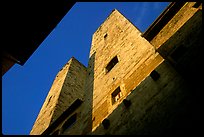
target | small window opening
x=70, y=122
x=111, y=64
x=105, y=35
x=106, y=123
x=155, y=75
x=49, y=100
x=116, y=95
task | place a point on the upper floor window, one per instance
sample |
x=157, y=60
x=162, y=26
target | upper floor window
x=105, y=35
x=111, y=64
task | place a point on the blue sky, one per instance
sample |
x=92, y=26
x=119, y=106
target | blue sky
x=24, y=88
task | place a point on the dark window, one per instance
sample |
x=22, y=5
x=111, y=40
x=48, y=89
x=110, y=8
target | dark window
x=105, y=35
x=111, y=64
x=155, y=75
x=69, y=122
x=116, y=95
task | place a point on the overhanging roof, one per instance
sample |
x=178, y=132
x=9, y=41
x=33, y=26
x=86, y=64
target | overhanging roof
x=28, y=23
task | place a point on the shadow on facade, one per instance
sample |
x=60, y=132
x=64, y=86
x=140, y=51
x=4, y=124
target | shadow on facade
x=88, y=103
x=187, y=60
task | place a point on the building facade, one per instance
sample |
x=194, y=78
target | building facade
x=135, y=83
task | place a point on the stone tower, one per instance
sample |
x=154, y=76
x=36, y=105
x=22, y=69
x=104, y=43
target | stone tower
x=67, y=87
x=135, y=83
x=119, y=58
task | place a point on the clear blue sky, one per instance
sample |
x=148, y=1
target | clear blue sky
x=24, y=88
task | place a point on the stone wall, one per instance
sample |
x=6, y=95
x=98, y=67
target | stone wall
x=164, y=106
x=172, y=104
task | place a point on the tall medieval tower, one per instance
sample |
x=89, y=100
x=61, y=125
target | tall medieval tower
x=133, y=83
x=119, y=57
x=67, y=91
x=118, y=62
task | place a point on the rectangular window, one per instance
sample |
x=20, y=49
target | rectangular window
x=116, y=95
x=111, y=64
